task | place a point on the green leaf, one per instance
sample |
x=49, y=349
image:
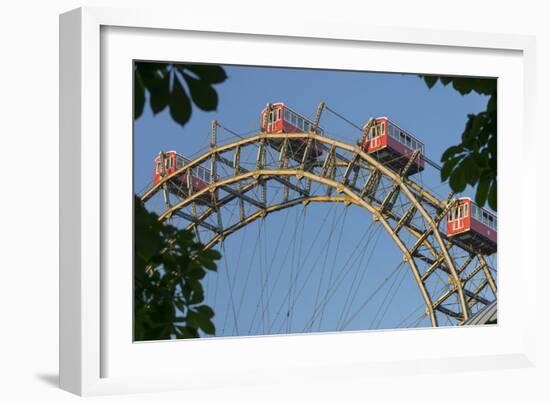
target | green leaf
x=163, y=297
x=160, y=94
x=180, y=106
x=448, y=167
x=186, y=291
x=209, y=73
x=204, y=323
x=193, y=319
x=154, y=78
x=473, y=131
x=482, y=191
x=195, y=284
x=212, y=254
x=462, y=85
x=492, y=198
x=492, y=104
x=480, y=160
x=196, y=298
x=180, y=305
x=186, y=332
x=208, y=263
x=203, y=95
x=485, y=86
x=472, y=170
x=458, y=178
x=451, y=152
x=198, y=320
x=184, y=237
x=205, y=310
x=478, y=147
x=207, y=326
x=139, y=95
x=149, y=71
x=430, y=81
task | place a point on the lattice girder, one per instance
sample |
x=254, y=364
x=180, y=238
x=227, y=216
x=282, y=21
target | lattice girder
x=395, y=201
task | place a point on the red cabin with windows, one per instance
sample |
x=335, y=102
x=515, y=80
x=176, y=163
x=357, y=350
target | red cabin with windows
x=393, y=146
x=282, y=119
x=472, y=226
x=198, y=179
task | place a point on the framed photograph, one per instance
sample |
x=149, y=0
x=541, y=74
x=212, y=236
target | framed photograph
x=244, y=205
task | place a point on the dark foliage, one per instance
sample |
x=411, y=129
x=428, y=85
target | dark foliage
x=163, y=82
x=168, y=268
x=473, y=161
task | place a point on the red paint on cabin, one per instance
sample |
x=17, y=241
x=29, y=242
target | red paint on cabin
x=198, y=179
x=473, y=226
x=282, y=119
x=393, y=146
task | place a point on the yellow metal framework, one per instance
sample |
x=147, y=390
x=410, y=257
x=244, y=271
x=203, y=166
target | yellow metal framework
x=359, y=179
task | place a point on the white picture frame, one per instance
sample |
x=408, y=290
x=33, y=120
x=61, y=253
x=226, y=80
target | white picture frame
x=93, y=361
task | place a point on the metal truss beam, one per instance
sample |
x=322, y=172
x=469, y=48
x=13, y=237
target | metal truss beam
x=197, y=221
x=283, y=181
x=487, y=272
x=472, y=295
x=364, y=197
x=474, y=298
x=242, y=196
x=450, y=313
x=325, y=143
x=337, y=185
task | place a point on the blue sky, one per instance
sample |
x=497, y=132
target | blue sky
x=436, y=116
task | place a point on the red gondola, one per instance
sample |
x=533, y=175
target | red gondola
x=169, y=162
x=472, y=226
x=282, y=119
x=393, y=146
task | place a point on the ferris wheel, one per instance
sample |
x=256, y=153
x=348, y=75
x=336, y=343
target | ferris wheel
x=320, y=235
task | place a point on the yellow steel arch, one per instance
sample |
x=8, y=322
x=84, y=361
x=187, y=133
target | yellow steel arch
x=414, y=192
